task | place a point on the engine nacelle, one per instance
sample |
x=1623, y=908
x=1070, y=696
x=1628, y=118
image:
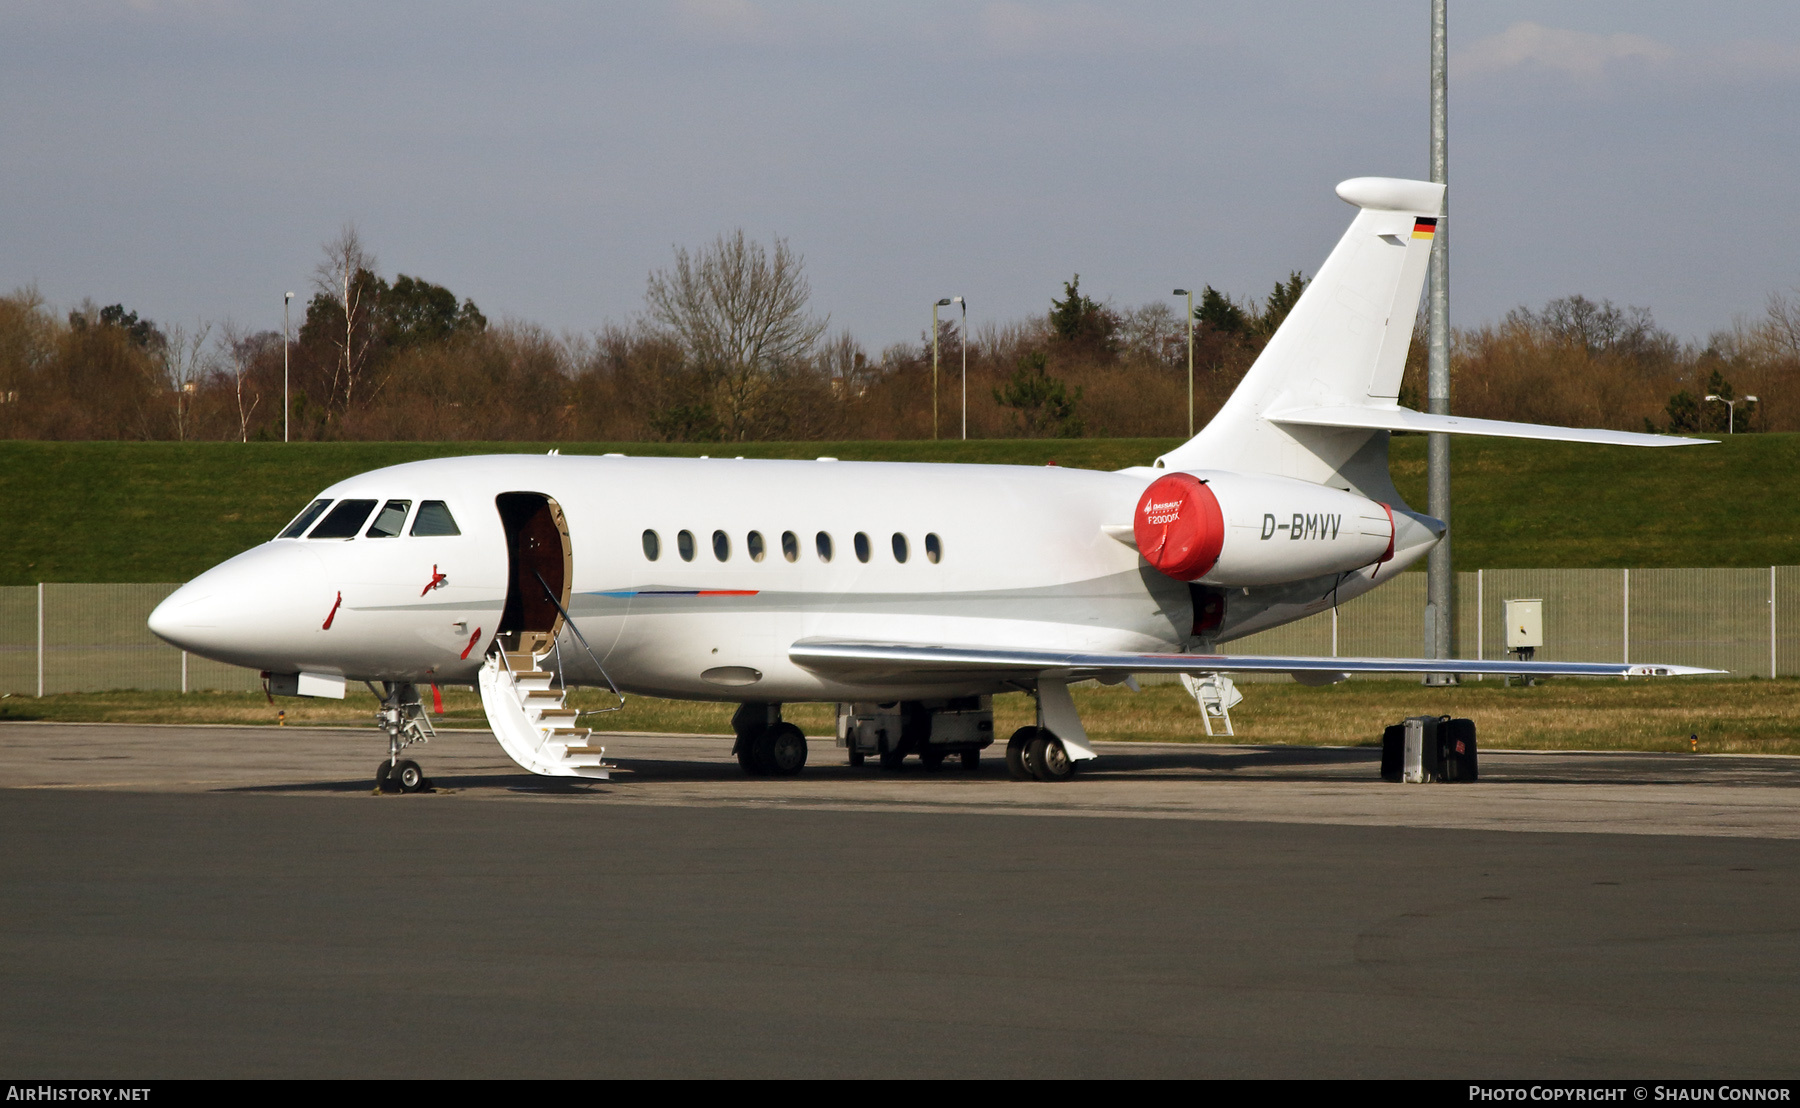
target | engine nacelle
x=1236, y=529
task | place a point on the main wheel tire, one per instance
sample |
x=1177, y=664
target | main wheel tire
x=786, y=749
x=1016, y=749
x=383, y=779
x=762, y=749
x=746, y=756
x=891, y=759
x=1049, y=759
x=409, y=777
x=932, y=759
x=856, y=757
x=971, y=760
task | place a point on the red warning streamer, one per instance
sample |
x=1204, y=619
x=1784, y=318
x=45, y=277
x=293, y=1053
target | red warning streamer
x=472, y=641
x=333, y=613
x=437, y=580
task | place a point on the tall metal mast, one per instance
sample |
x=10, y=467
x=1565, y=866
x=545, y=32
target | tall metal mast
x=1440, y=578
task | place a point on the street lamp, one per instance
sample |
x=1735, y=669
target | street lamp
x=1190, y=338
x=285, y=301
x=963, y=341
x=944, y=303
x=1731, y=411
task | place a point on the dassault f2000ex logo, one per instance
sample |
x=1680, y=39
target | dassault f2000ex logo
x=1303, y=526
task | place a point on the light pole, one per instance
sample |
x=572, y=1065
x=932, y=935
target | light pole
x=1731, y=411
x=285, y=301
x=962, y=337
x=1190, y=336
x=944, y=303
x=1440, y=579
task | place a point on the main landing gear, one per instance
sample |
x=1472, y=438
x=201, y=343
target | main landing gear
x=766, y=745
x=1034, y=753
x=402, y=717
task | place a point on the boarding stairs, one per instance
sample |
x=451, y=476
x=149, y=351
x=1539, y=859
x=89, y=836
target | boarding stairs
x=1216, y=695
x=527, y=708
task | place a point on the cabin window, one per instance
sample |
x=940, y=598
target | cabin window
x=434, y=520
x=861, y=543
x=900, y=550
x=684, y=545
x=790, y=546
x=721, y=546
x=652, y=545
x=753, y=543
x=389, y=521
x=934, y=549
x=824, y=544
x=344, y=521
x=304, y=520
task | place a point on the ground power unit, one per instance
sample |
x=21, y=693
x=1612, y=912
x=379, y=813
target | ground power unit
x=931, y=729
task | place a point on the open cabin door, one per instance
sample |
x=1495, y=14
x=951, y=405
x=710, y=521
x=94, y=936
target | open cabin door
x=537, y=545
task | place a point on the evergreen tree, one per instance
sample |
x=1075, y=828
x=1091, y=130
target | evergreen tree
x=1081, y=322
x=1281, y=301
x=1041, y=403
x=1217, y=313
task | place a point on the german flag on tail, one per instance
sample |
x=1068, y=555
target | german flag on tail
x=1424, y=228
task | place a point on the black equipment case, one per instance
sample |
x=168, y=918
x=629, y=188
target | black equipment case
x=1446, y=750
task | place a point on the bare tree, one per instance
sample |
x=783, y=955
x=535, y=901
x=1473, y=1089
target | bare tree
x=240, y=350
x=739, y=313
x=184, y=363
x=1780, y=328
x=345, y=277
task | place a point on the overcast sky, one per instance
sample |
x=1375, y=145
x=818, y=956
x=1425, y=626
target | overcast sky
x=188, y=157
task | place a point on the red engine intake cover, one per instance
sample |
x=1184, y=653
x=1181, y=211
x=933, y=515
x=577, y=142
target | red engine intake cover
x=1178, y=526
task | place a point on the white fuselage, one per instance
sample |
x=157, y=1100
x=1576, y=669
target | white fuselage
x=1003, y=556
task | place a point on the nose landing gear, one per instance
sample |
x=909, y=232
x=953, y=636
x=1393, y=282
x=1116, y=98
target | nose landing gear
x=402, y=717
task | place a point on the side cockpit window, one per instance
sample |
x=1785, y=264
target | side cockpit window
x=390, y=520
x=344, y=521
x=434, y=519
x=304, y=520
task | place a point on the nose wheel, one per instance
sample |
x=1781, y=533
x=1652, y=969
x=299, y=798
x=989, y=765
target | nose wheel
x=402, y=718
x=403, y=776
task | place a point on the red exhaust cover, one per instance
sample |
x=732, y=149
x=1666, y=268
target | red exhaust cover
x=1178, y=526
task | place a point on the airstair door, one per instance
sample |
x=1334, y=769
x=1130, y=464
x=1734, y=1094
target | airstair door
x=539, y=567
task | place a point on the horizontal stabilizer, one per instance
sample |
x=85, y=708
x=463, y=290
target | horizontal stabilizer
x=1394, y=418
x=886, y=661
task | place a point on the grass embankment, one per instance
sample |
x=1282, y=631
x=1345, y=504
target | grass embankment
x=106, y=511
x=165, y=511
x=1749, y=716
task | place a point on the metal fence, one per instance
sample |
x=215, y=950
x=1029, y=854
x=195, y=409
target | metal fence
x=1746, y=621
x=89, y=638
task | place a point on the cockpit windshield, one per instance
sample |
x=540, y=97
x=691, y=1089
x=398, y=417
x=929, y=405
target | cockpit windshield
x=344, y=521
x=304, y=520
x=434, y=519
x=388, y=523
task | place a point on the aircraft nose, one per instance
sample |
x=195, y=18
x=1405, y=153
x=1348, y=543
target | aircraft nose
x=239, y=609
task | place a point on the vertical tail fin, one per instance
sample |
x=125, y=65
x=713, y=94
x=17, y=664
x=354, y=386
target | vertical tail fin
x=1344, y=343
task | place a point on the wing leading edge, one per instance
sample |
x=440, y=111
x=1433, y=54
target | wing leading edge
x=875, y=661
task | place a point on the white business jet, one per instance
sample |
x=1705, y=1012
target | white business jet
x=909, y=594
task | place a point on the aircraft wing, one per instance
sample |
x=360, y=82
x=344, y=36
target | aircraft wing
x=877, y=661
x=1396, y=418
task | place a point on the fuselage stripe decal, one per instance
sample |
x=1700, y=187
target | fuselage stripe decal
x=626, y=594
